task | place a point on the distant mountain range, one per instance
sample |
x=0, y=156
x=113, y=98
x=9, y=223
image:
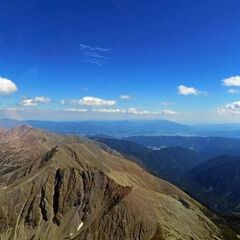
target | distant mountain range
x=114, y=128
x=131, y=128
x=205, y=147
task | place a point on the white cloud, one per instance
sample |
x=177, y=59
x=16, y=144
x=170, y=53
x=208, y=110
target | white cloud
x=42, y=99
x=168, y=112
x=231, y=81
x=129, y=111
x=7, y=86
x=89, y=101
x=35, y=101
x=126, y=97
x=230, y=108
x=167, y=104
x=105, y=110
x=233, y=91
x=75, y=110
x=233, y=105
x=140, y=112
x=184, y=90
x=28, y=102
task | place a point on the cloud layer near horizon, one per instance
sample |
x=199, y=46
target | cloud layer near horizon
x=118, y=106
x=28, y=102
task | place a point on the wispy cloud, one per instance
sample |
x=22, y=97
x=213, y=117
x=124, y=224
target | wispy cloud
x=126, y=97
x=75, y=110
x=100, y=49
x=140, y=112
x=12, y=109
x=84, y=89
x=184, y=90
x=168, y=112
x=95, y=58
x=167, y=104
x=233, y=91
x=109, y=110
x=28, y=102
x=135, y=111
x=129, y=110
x=7, y=86
x=89, y=101
x=95, y=55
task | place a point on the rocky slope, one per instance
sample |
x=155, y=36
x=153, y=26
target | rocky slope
x=55, y=187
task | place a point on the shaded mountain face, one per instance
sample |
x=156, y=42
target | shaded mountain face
x=169, y=163
x=216, y=182
x=71, y=188
x=125, y=147
x=205, y=147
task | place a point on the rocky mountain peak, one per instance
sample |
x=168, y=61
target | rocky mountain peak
x=80, y=191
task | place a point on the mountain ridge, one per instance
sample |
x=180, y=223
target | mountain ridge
x=77, y=190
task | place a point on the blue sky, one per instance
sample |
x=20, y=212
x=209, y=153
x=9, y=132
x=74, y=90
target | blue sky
x=77, y=60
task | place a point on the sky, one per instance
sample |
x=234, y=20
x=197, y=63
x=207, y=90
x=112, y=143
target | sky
x=87, y=59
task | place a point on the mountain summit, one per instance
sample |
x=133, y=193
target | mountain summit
x=65, y=187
